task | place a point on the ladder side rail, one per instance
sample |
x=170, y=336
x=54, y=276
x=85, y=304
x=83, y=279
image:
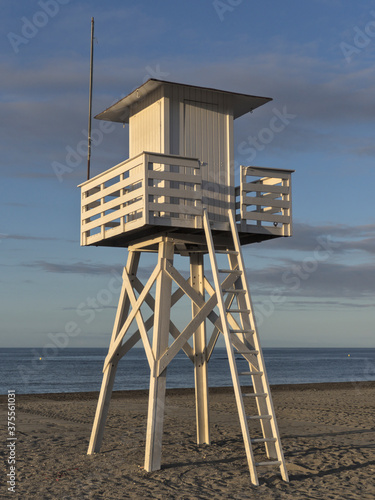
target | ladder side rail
x=271, y=410
x=231, y=358
x=258, y=381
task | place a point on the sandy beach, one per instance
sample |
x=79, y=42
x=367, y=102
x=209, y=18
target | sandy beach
x=327, y=431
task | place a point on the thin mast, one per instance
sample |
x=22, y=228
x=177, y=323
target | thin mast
x=90, y=100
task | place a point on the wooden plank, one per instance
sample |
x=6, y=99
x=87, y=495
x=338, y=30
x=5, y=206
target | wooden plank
x=110, y=204
x=212, y=342
x=184, y=336
x=263, y=216
x=261, y=171
x=102, y=408
x=131, y=341
x=252, y=186
x=114, y=189
x=230, y=279
x=167, y=159
x=114, y=205
x=268, y=230
x=231, y=358
x=184, y=285
x=179, y=209
x=174, y=176
x=140, y=322
x=200, y=359
x=173, y=330
x=157, y=389
x=174, y=221
x=274, y=449
x=265, y=201
x=183, y=194
x=107, y=175
x=133, y=224
x=145, y=188
x=134, y=207
x=132, y=315
x=110, y=372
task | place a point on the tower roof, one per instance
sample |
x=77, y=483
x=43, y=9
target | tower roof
x=120, y=111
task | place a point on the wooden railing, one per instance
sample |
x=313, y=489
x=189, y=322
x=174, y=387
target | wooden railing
x=263, y=201
x=166, y=190
x=150, y=188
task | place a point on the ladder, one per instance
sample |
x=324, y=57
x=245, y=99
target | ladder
x=241, y=337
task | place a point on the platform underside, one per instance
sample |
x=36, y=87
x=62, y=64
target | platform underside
x=189, y=239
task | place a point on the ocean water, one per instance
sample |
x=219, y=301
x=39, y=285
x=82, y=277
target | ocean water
x=30, y=371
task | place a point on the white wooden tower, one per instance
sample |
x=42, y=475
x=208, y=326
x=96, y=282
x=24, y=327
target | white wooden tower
x=176, y=194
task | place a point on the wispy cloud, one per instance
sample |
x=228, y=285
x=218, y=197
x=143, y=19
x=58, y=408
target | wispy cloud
x=74, y=268
x=328, y=280
x=26, y=237
x=346, y=238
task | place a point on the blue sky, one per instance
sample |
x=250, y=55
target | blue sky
x=316, y=59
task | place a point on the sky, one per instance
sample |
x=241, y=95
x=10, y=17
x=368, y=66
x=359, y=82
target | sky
x=315, y=59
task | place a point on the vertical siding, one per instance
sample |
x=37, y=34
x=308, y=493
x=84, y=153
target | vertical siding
x=145, y=125
x=191, y=122
x=206, y=137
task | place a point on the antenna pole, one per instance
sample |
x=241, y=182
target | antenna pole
x=90, y=100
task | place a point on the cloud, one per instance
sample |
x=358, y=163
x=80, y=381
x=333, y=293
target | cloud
x=25, y=237
x=343, y=238
x=308, y=305
x=315, y=279
x=75, y=268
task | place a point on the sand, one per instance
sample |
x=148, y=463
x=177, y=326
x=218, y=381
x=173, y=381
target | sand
x=327, y=433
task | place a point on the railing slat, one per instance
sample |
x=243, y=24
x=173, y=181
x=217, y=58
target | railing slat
x=101, y=221
x=178, y=209
x=270, y=196
x=97, y=199
x=270, y=202
x=182, y=194
x=253, y=186
x=174, y=176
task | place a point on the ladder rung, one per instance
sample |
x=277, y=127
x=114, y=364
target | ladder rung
x=230, y=271
x=227, y=252
x=255, y=395
x=238, y=311
x=242, y=331
x=264, y=440
x=270, y=462
x=233, y=290
x=260, y=417
x=251, y=373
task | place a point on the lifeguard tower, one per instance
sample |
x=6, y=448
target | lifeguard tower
x=176, y=194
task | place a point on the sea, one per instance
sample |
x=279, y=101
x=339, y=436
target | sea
x=37, y=371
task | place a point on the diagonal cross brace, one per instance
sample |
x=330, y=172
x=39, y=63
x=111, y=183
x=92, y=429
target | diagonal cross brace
x=173, y=330
x=205, y=311
x=134, y=314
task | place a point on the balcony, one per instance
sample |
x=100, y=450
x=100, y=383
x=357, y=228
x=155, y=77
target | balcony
x=155, y=192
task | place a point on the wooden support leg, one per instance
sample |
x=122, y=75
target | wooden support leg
x=110, y=371
x=200, y=356
x=156, y=403
x=102, y=409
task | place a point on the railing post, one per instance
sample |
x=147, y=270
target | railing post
x=83, y=210
x=146, y=160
